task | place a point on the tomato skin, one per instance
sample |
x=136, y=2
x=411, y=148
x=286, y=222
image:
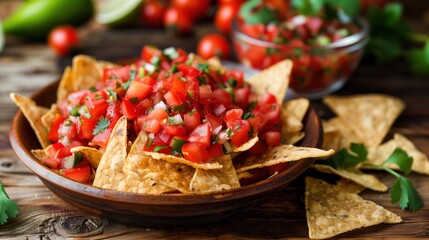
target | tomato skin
x=113, y=113
x=177, y=21
x=272, y=138
x=215, y=150
x=242, y=96
x=192, y=120
x=200, y=134
x=101, y=139
x=174, y=130
x=87, y=127
x=53, y=131
x=78, y=174
x=148, y=52
x=50, y=162
x=240, y=131
x=173, y=100
x=196, y=9
x=152, y=13
x=138, y=90
x=62, y=39
x=224, y=16
x=96, y=103
x=158, y=114
x=195, y=152
x=213, y=45
x=128, y=109
x=151, y=125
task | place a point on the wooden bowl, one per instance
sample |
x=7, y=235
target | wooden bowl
x=167, y=210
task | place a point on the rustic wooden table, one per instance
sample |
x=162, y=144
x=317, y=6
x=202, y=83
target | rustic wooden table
x=25, y=67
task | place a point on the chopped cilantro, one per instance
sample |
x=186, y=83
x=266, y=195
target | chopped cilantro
x=8, y=208
x=203, y=67
x=232, y=82
x=251, y=132
x=155, y=61
x=247, y=115
x=92, y=89
x=202, y=80
x=348, y=159
x=251, y=106
x=75, y=112
x=101, y=126
x=180, y=108
x=159, y=148
x=229, y=132
x=134, y=100
x=174, y=68
x=112, y=95
x=254, y=12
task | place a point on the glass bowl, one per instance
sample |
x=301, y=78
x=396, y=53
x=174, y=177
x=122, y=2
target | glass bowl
x=317, y=71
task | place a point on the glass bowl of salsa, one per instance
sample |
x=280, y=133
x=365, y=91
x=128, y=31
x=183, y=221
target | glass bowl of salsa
x=324, y=52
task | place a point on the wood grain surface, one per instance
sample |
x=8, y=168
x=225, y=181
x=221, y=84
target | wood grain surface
x=24, y=67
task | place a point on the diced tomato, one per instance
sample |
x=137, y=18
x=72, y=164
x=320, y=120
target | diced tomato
x=158, y=114
x=204, y=93
x=138, y=90
x=96, y=103
x=128, y=109
x=50, y=162
x=272, y=138
x=53, y=131
x=200, y=134
x=174, y=130
x=242, y=96
x=143, y=106
x=267, y=98
x=164, y=136
x=192, y=120
x=87, y=127
x=172, y=99
x=113, y=112
x=122, y=73
x=52, y=153
x=101, y=139
x=180, y=86
x=147, y=79
x=214, y=122
x=151, y=126
x=233, y=115
x=215, y=150
x=195, y=152
x=188, y=70
x=67, y=131
x=148, y=52
x=219, y=109
x=79, y=174
x=237, y=76
x=241, y=132
x=65, y=151
x=221, y=96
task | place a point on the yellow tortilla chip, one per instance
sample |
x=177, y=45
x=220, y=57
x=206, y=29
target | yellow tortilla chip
x=93, y=155
x=281, y=154
x=296, y=107
x=246, y=146
x=49, y=117
x=215, y=180
x=141, y=166
x=66, y=85
x=346, y=134
x=274, y=79
x=210, y=164
x=216, y=64
x=345, y=185
x=366, y=180
x=33, y=114
x=292, y=113
x=380, y=154
x=331, y=212
x=109, y=173
x=244, y=174
x=331, y=140
x=87, y=71
x=39, y=153
x=291, y=137
x=370, y=116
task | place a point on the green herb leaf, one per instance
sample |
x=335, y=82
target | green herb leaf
x=8, y=208
x=349, y=7
x=402, y=159
x=418, y=60
x=404, y=192
x=159, y=148
x=254, y=12
x=308, y=7
x=101, y=126
x=348, y=159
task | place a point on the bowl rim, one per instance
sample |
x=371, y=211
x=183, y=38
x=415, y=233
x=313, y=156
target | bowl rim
x=360, y=38
x=260, y=187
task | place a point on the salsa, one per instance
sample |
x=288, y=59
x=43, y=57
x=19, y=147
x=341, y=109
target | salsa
x=188, y=109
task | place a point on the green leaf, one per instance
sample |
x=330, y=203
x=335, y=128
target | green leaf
x=402, y=159
x=8, y=208
x=404, y=192
x=308, y=7
x=418, y=60
x=350, y=7
x=348, y=159
x=101, y=126
x=254, y=12
x=159, y=148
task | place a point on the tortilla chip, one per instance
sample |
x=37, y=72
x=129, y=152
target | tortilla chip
x=216, y=64
x=246, y=146
x=210, y=164
x=66, y=85
x=366, y=180
x=331, y=212
x=296, y=107
x=346, y=134
x=216, y=180
x=141, y=166
x=49, y=117
x=274, y=79
x=345, y=185
x=33, y=114
x=39, y=153
x=370, y=116
x=244, y=174
x=86, y=72
x=420, y=160
x=109, y=173
x=331, y=140
x=281, y=154
x=93, y=155
x=291, y=137
x=292, y=113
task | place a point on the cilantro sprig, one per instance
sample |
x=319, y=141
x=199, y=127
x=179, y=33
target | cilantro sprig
x=402, y=191
x=101, y=126
x=8, y=207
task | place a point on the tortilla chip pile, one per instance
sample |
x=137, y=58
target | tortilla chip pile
x=335, y=209
x=125, y=166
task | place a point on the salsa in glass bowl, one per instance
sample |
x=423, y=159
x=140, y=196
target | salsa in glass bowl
x=324, y=51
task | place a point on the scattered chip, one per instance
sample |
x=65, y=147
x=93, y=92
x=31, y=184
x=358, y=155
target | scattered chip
x=345, y=185
x=346, y=134
x=216, y=180
x=281, y=154
x=370, y=116
x=142, y=166
x=274, y=79
x=380, y=154
x=33, y=114
x=366, y=180
x=210, y=164
x=109, y=173
x=93, y=155
x=331, y=212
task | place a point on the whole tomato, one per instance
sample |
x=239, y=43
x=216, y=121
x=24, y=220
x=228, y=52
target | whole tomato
x=62, y=39
x=152, y=13
x=177, y=21
x=224, y=17
x=195, y=8
x=213, y=45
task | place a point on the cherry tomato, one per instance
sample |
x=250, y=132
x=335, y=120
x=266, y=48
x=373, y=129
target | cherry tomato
x=62, y=39
x=152, y=14
x=195, y=8
x=177, y=21
x=213, y=45
x=224, y=17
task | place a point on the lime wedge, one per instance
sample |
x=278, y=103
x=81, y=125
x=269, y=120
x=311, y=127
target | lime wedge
x=1, y=37
x=115, y=13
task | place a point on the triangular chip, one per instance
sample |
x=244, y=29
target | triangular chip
x=109, y=173
x=291, y=137
x=246, y=146
x=380, y=154
x=281, y=154
x=39, y=154
x=331, y=212
x=331, y=139
x=210, y=164
x=49, y=117
x=346, y=134
x=66, y=85
x=345, y=185
x=366, y=180
x=216, y=180
x=274, y=79
x=93, y=155
x=142, y=166
x=33, y=114
x=370, y=115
